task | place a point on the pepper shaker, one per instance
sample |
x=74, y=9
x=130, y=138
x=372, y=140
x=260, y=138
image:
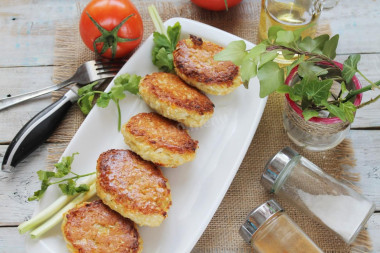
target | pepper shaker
x=268, y=229
x=330, y=202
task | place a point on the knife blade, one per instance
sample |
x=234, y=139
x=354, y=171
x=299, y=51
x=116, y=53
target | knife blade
x=37, y=130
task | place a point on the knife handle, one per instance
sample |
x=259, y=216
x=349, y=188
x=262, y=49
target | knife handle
x=37, y=131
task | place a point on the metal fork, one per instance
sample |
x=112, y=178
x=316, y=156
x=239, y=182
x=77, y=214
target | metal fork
x=86, y=73
x=42, y=125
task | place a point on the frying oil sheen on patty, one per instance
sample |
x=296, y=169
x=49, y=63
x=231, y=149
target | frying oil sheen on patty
x=194, y=62
x=93, y=227
x=133, y=187
x=159, y=140
x=168, y=95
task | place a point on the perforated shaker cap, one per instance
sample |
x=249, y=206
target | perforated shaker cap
x=275, y=165
x=257, y=218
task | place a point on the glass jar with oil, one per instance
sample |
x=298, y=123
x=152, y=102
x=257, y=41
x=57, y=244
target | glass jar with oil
x=289, y=14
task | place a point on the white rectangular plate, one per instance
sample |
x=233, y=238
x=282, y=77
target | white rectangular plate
x=197, y=187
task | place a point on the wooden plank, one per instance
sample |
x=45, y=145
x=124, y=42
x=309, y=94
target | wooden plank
x=16, y=81
x=367, y=150
x=357, y=24
x=12, y=241
x=27, y=30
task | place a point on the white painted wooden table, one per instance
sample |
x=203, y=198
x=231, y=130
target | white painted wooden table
x=27, y=39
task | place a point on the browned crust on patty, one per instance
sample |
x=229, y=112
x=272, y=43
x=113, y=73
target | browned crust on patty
x=194, y=58
x=160, y=132
x=135, y=184
x=170, y=89
x=94, y=227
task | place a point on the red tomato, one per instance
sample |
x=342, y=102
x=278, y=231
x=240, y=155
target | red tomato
x=102, y=34
x=215, y=5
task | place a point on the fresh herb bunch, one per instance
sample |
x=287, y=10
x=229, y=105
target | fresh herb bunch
x=312, y=93
x=122, y=83
x=165, y=41
x=67, y=185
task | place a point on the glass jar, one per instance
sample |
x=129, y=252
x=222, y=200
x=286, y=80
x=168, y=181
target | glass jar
x=320, y=196
x=318, y=133
x=290, y=15
x=268, y=229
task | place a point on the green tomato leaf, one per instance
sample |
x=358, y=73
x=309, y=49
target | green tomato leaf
x=329, y=48
x=350, y=67
x=284, y=38
x=308, y=114
x=271, y=77
x=235, y=52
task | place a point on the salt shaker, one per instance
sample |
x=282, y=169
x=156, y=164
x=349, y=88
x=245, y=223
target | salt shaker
x=317, y=194
x=268, y=229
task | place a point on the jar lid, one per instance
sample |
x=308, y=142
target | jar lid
x=258, y=217
x=275, y=166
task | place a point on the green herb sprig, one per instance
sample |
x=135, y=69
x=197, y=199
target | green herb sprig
x=312, y=92
x=122, y=83
x=67, y=185
x=165, y=41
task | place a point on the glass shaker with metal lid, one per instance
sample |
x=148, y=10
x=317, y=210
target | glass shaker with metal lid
x=317, y=194
x=268, y=229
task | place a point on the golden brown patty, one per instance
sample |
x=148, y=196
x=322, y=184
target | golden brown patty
x=171, y=97
x=194, y=63
x=133, y=187
x=159, y=140
x=94, y=227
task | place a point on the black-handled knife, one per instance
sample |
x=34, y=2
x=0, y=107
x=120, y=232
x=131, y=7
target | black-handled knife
x=37, y=130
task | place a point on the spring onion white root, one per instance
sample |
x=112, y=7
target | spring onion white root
x=51, y=210
x=157, y=21
x=58, y=217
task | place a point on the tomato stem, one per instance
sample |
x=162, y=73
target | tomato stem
x=109, y=38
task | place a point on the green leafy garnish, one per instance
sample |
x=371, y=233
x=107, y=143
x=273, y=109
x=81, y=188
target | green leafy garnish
x=122, y=83
x=68, y=185
x=165, y=42
x=312, y=90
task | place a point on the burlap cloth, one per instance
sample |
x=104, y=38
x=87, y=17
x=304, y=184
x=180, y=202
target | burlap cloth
x=245, y=192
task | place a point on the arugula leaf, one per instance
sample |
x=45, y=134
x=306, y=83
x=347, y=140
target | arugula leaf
x=350, y=67
x=235, y=52
x=329, y=48
x=308, y=114
x=67, y=185
x=271, y=76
